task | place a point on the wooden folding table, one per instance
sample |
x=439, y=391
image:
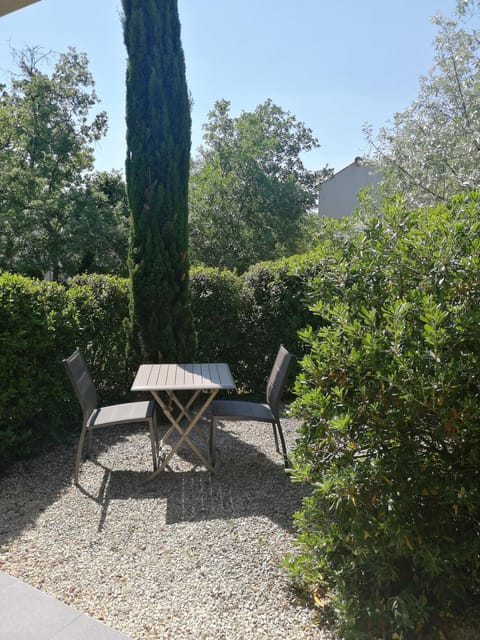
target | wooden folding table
x=164, y=381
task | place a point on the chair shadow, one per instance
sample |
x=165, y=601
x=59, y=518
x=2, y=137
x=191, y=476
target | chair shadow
x=28, y=487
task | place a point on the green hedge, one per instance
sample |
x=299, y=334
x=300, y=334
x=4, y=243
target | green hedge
x=276, y=308
x=218, y=310
x=238, y=320
x=40, y=324
x=242, y=320
x=99, y=309
x=34, y=329
x=389, y=396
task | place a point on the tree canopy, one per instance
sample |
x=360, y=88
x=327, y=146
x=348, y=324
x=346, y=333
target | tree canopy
x=431, y=151
x=47, y=138
x=101, y=226
x=249, y=189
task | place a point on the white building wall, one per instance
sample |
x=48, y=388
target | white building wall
x=339, y=195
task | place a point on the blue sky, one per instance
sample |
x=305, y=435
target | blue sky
x=334, y=64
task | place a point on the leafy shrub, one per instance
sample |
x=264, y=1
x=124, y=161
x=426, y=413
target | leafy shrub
x=34, y=330
x=275, y=309
x=242, y=320
x=389, y=399
x=217, y=304
x=99, y=307
x=40, y=324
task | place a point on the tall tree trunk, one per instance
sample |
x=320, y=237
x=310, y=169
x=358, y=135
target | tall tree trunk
x=157, y=169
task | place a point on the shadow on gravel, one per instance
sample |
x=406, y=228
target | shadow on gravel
x=247, y=483
x=28, y=487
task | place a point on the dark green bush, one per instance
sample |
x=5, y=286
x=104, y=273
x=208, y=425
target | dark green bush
x=40, y=324
x=242, y=320
x=217, y=304
x=275, y=309
x=99, y=308
x=389, y=398
x=35, y=328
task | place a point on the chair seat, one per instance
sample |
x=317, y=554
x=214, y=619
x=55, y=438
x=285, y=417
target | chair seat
x=95, y=417
x=242, y=409
x=256, y=411
x=120, y=413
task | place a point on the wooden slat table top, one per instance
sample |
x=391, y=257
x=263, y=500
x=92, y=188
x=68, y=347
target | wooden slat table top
x=175, y=377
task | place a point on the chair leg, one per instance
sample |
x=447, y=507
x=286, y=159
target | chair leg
x=213, y=440
x=274, y=426
x=152, y=426
x=284, y=448
x=79, y=453
x=89, y=444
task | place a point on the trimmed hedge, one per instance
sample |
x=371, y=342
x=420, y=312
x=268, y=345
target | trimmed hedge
x=218, y=311
x=276, y=304
x=242, y=320
x=99, y=309
x=40, y=324
x=239, y=320
x=35, y=327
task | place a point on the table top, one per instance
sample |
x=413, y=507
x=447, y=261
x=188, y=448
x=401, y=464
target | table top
x=168, y=377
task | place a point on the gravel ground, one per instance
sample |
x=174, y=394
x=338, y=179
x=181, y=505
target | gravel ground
x=183, y=556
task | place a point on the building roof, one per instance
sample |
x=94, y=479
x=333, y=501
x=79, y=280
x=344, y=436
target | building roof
x=7, y=6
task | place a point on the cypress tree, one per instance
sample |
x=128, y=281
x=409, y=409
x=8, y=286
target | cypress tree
x=157, y=169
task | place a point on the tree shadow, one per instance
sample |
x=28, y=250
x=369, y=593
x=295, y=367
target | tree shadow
x=28, y=487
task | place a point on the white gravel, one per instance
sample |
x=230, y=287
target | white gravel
x=183, y=556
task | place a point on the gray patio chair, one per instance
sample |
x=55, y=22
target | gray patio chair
x=256, y=411
x=95, y=417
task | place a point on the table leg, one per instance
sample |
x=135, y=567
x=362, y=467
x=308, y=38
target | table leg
x=184, y=433
x=185, y=410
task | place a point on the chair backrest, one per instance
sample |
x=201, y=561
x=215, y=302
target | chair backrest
x=82, y=382
x=277, y=379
